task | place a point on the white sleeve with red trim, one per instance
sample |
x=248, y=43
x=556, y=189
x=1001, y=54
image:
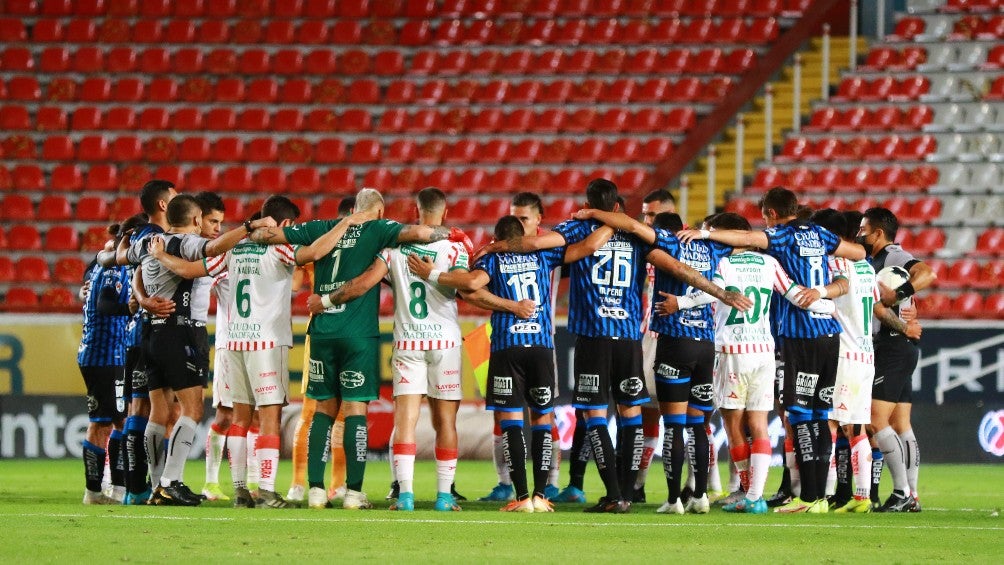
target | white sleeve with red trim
x=216, y=265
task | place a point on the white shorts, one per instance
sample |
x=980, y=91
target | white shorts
x=852, y=392
x=649, y=341
x=435, y=373
x=261, y=378
x=745, y=381
x=222, y=377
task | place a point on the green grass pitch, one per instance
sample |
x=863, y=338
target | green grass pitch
x=43, y=521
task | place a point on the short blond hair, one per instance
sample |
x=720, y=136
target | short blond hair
x=367, y=199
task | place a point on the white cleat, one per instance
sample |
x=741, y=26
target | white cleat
x=699, y=505
x=356, y=500
x=91, y=497
x=338, y=494
x=668, y=507
x=317, y=498
x=541, y=504
x=295, y=493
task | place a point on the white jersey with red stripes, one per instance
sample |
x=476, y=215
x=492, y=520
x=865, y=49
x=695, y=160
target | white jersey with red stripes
x=261, y=279
x=854, y=309
x=425, y=314
x=647, y=297
x=221, y=289
x=758, y=277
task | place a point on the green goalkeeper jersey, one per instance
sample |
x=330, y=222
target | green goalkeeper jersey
x=350, y=257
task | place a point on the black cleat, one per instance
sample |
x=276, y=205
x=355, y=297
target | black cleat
x=897, y=503
x=835, y=502
x=456, y=495
x=243, y=498
x=609, y=506
x=639, y=495
x=177, y=494
x=395, y=491
x=686, y=494
x=915, y=507
x=779, y=499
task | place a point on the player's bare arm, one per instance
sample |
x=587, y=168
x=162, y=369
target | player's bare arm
x=732, y=238
x=527, y=243
x=324, y=244
x=155, y=306
x=806, y=296
x=482, y=298
x=590, y=245
x=108, y=259
x=228, y=240
x=888, y=317
x=351, y=290
x=423, y=234
x=177, y=265
x=618, y=221
x=850, y=250
x=694, y=279
x=423, y=268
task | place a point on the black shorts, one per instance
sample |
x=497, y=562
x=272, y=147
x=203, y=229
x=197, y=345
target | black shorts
x=608, y=368
x=105, y=387
x=895, y=361
x=177, y=357
x=135, y=374
x=521, y=376
x=810, y=371
x=684, y=369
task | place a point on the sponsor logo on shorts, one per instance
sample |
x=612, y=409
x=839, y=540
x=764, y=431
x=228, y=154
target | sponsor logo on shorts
x=403, y=381
x=631, y=386
x=502, y=386
x=448, y=387
x=704, y=393
x=138, y=379
x=92, y=403
x=826, y=394
x=805, y=384
x=266, y=389
x=541, y=394
x=315, y=372
x=667, y=371
x=588, y=383
x=991, y=433
x=351, y=379
x=451, y=372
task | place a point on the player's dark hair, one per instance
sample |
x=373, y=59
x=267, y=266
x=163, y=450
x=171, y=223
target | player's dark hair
x=853, y=219
x=601, y=194
x=255, y=216
x=346, y=205
x=803, y=213
x=832, y=220
x=782, y=201
x=153, y=192
x=622, y=203
x=528, y=199
x=883, y=219
x=508, y=227
x=729, y=221
x=279, y=208
x=661, y=195
x=180, y=210
x=210, y=202
x=430, y=199
x=668, y=221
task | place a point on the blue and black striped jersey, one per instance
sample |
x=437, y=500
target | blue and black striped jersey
x=702, y=256
x=605, y=298
x=802, y=249
x=103, y=340
x=519, y=276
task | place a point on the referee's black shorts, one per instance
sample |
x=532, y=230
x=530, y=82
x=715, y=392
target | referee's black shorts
x=177, y=357
x=895, y=361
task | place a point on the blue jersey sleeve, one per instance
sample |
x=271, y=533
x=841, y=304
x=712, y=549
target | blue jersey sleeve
x=667, y=241
x=830, y=239
x=573, y=231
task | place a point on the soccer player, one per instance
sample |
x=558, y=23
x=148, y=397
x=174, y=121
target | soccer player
x=344, y=339
x=810, y=339
x=101, y=358
x=177, y=351
x=896, y=356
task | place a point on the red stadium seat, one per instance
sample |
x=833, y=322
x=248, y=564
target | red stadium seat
x=24, y=237
x=961, y=274
x=62, y=238
x=66, y=178
x=17, y=207
x=54, y=208
x=58, y=148
x=202, y=178
x=20, y=299
x=236, y=179
x=101, y=178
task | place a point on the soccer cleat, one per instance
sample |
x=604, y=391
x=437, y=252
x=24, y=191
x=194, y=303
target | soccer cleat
x=541, y=504
x=714, y=496
x=501, y=493
x=758, y=506
x=820, y=506
x=272, y=499
x=686, y=494
x=212, y=492
x=699, y=505
x=639, y=495
x=570, y=494
x=91, y=497
x=796, y=506
x=356, y=500
x=243, y=498
x=446, y=503
x=668, y=507
x=405, y=502
x=156, y=496
x=551, y=492
x=337, y=494
x=317, y=498
x=732, y=498
x=737, y=506
x=781, y=498
x=137, y=499
x=609, y=506
x=296, y=493
x=915, y=507
x=178, y=494
x=855, y=506
x=118, y=494
x=525, y=505
x=395, y=490
x=835, y=502
x=456, y=495
x=896, y=503
x=253, y=488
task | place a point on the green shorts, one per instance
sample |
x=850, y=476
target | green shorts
x=345, y=368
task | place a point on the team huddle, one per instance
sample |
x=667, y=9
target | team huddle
x=670, y=325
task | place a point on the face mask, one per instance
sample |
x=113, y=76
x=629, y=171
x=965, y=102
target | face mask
x=861, y=240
